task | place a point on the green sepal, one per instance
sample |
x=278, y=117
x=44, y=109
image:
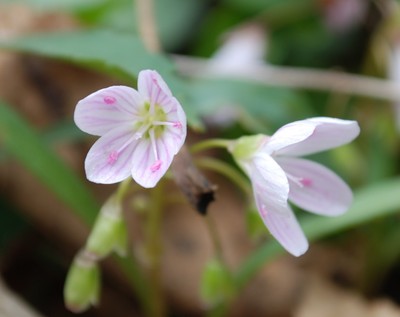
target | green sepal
x=244, y=147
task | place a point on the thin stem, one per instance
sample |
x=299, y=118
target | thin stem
x=291, y=77
x=134, y=273
x=147, y=25
x=209, y=144
x=122, y=190
x=228, y=171
x=154, y=249
x=212, y=230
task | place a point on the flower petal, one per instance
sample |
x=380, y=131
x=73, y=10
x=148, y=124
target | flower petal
x=154, y=89
x=147, y=169
x=311, y=136
x=110, y=158
x=176, y=132
x=315, y=188
x=269, y=183
x=271, y=189
x=107, y=109
x=284, y=227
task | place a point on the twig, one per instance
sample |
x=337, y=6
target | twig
x=147, y=25
x=291, y=77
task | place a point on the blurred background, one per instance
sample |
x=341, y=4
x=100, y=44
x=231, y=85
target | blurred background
x=237, y=67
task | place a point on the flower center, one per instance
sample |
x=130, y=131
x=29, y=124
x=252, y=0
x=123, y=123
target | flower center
x=153, y=117
x=151, y=127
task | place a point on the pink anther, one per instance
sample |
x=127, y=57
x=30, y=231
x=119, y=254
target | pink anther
x=109, y=100
x=306, y=182
x=156, y=166
x=177, y=124
x=113, y=157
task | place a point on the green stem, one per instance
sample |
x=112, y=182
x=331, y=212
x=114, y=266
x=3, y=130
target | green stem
x=135, y=276
x=212, y=230
x=210, y=144
x=122, y=190
x=228, y=171
x=129, y=264
x=154, y=250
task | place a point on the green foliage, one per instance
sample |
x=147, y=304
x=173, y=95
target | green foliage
x=118, y=54
x=23, y=143
x=216, y=283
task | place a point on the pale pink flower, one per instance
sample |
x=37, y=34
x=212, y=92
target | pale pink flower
x=277, y=175
x=141, y=131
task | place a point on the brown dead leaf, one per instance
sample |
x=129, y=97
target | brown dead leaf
x=322, y=298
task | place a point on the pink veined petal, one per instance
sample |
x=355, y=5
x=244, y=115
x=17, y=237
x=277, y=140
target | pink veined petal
x=328, y=133
x=269, y=183
x=288, y=135
x=315, y=188
x=154, y=89
x=146, y=169
x=110, y=158
x=107, y=109
x=176, y=132
x=283, y=226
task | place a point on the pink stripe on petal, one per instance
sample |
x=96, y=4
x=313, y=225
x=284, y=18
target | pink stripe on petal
x=109, y=159
x=327, y=133
x=143, y=159
x=147, y=170
x=127, y=99
x=269, y=181
x=153, y=88
x=288, y=136
x=98, y=119
x=320, y=190
x=285, y=228
x=107, y=109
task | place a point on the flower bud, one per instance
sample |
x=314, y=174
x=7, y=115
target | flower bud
x=109, y=232
x=216, y=283
x=82, y=286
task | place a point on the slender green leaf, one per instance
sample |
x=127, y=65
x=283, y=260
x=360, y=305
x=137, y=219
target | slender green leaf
x=21, y=141
x=119, y=53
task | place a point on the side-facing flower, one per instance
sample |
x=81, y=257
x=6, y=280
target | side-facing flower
x=277, y=175
x=140, y=131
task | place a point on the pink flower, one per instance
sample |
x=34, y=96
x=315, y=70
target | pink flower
x=277, y=175
x=140, y=131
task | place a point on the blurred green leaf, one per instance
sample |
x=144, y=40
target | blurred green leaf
x=11, y=225
x=216, y=284
x=258, y=105
x=118, y=54
x=19, y=140
x=63, y=131
x=51, y=5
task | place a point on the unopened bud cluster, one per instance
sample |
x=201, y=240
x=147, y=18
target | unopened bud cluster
x=82, y=286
